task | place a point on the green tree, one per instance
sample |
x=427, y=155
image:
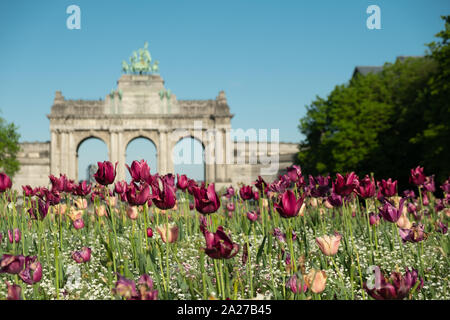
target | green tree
x=9, y=147
x=384, y=123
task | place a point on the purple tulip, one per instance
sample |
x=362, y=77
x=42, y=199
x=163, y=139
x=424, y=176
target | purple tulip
x=5, y=182
x=206, y=200
x=138, y=195
x=288, y=205
x=397, y=286
x=125, y=288
x=139, y=171
x=182, y=182
x=252, y=216
x=246, y=192
x=318, y=186
x=14, y=291
x=280, y=185
x=32, y=272
x=374, y=219
x=261, y=185
x=282, y=236
x=345, y=186
x=11, y=264
x=417, y=176
x=296, y=285
x=415, y=234
x=219, y=245
x=429, y=185
x=387, y=188
x=40, y=207
x=441, y=227
x=391, y=213
x=14, y=237
x=82, y=256
x=28, y=191
x=294, y=173
x=83, y=189
x=163, y=193
x=106, y=173
x=446, y=186
x=78, y=224
x=145, y=285
x=409, y=194
x=366, y=188
x=149, y=232
x=335, y=200
x=230, y=206
x=230, y=192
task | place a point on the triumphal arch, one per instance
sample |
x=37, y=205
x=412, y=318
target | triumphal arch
x=140, y=107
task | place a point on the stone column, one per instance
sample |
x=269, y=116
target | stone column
x=55, y=152
x=210, y=161
x=170, y=168
x=64, y=157
x=121, y=173
x=72, y=154
x=162, y=152
x=117, y=152
x=220, y=165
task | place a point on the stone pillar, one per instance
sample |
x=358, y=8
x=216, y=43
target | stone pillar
x=121, y=173
x=170, y=168
x=210, y=161
x=220, y=165
x=64, y=157
x=72, y=154
x=55, y=152
x=116, y=153
x=162, y=152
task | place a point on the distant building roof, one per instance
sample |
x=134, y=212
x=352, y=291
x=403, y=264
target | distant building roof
x=363, y=70
x=367, y=69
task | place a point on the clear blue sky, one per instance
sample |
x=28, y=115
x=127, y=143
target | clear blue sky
x=271, y=57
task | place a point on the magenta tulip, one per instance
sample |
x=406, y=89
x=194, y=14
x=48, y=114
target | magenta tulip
x=139, y=171
x=288, y=205
x=246, y=192
x=32, y=272
x=182, y=182
x=345, y=186
x=206, y=199
x=5, y=182
x=417, y=176
x=219, y=245
x=366, y=188
x=106, y=173
x=163, y=194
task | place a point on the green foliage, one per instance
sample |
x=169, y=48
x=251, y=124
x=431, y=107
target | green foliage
x=385, y=123
x=9, y=147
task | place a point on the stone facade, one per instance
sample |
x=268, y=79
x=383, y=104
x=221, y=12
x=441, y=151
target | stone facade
x=142, y=107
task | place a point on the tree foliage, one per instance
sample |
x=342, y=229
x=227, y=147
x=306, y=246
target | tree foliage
x=385, y=123
x=9, y=147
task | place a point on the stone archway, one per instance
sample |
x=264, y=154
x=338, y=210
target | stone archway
x=138, y=109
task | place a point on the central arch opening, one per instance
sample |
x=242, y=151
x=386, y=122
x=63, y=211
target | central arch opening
x=90, y=151
x=141, y=148
x=189, y=158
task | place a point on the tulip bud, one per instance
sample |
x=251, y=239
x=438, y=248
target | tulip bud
x=100, y=211
x=252, y=216
x=191, y=206
x=316, y=280
x=132, y=212
x=149, y=232
x=16, y=235
x=14, y=291
x=78, y=224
